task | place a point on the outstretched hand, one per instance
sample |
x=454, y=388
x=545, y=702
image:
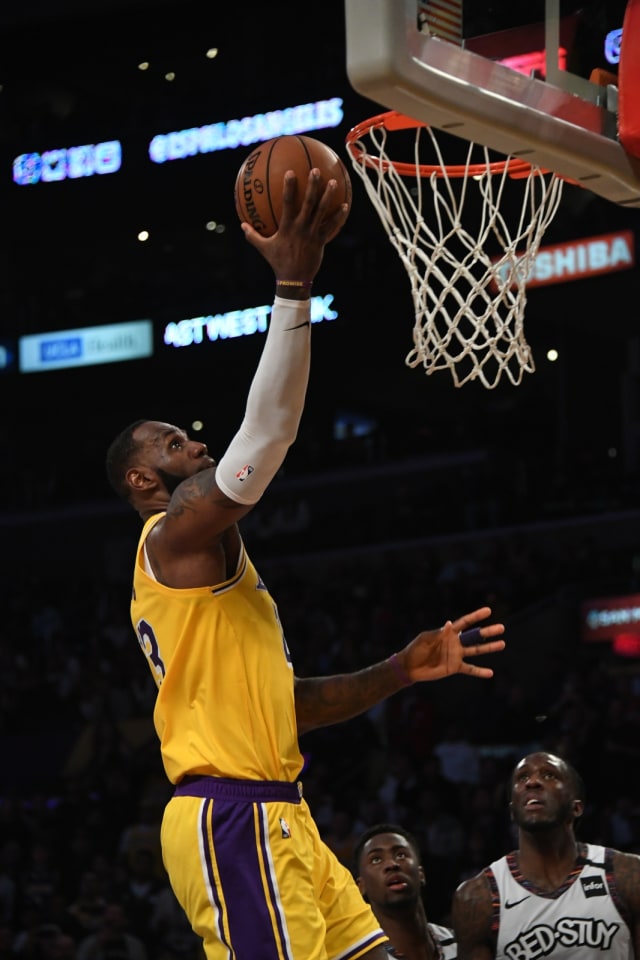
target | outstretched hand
x=295, y=250
x=435, y=654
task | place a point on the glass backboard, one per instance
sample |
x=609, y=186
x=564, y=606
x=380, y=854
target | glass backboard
x=538, y=81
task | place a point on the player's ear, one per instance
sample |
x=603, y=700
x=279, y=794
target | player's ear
x=421, y=876
x=140, y=479
x=578, y=809
x=360, y=883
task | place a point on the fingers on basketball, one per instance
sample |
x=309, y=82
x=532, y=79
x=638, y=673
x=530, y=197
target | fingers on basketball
x=260, y=183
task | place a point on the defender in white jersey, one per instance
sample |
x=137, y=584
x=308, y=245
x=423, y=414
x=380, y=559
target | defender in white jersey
x=553, y=897
x=387, y=868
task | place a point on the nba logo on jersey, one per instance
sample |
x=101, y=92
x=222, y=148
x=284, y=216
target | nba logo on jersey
x=284, y=826
x=244, y=472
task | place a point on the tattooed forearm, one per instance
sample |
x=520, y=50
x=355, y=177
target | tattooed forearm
x=321, y=701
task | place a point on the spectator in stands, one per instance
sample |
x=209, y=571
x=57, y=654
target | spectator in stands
x=112, y=940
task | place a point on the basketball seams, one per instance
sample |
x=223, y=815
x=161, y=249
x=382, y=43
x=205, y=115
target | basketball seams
x=303, y=144
x=340, y=166
x=267, y=178
x=346, y=181
x=259, y=183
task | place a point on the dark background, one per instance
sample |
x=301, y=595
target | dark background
x=70, y=257
x=524, y=498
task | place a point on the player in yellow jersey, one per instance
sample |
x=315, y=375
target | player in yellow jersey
x=242, y=851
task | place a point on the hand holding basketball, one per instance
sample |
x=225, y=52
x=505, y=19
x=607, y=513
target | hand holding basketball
x=260, y=181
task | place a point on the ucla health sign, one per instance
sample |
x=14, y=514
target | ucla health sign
x=85, y=346
x=133, y=340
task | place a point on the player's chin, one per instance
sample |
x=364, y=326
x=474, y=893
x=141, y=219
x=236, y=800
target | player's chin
x=534, y=823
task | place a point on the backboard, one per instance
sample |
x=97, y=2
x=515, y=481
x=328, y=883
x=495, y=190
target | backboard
x=531, y=90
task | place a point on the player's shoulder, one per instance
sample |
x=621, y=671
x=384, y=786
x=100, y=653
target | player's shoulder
x=150, y=526
x=626, y=866
x=472, y=911
x=622, y=858
x=474, y=887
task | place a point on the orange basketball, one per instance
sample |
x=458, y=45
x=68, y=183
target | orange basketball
x=258, y=187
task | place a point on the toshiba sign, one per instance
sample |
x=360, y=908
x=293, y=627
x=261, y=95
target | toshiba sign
x=587, y=257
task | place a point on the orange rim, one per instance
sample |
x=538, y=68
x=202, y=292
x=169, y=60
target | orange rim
x=392, y=120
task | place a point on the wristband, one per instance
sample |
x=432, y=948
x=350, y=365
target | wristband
x=294, y=283
x=400, y=673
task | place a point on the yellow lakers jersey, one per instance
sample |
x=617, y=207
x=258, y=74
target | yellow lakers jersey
x=225, y=704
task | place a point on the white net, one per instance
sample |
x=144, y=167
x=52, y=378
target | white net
x=468, y=247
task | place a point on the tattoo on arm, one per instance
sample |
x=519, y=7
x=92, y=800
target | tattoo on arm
x=195, y=490
x=626, y=872
x=321, y=701
x=472, y=912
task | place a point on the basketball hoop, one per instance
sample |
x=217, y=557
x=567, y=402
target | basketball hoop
x=468, y=278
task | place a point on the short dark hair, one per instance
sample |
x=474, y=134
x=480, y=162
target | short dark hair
x=119, y=456
x=373, y=831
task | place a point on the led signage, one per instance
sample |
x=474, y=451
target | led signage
x=85, y=346
x=577, y=259
x=69, y=163
x=247, y=131
x=73, y=163
x=236, y=323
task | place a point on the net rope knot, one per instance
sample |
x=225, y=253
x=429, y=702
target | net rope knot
x=468, y=256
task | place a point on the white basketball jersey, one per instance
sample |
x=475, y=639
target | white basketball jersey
x=445, y=943
x=445, y=940
x=581, y=920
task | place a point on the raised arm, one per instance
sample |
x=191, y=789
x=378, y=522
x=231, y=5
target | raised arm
x=197, y=541
x=276, y=397
x=471, y=918
x=432, y=655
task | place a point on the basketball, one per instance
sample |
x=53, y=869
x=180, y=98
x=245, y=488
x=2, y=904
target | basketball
x=258, y=187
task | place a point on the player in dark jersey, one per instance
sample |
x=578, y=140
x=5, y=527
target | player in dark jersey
x=553, y=897
x=387, y=868
x=242, y=851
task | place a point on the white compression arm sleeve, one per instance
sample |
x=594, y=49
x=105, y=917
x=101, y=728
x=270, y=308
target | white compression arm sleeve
x=274, y=405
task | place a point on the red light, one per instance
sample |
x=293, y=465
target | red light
x=626, y=645
x=534, y=64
